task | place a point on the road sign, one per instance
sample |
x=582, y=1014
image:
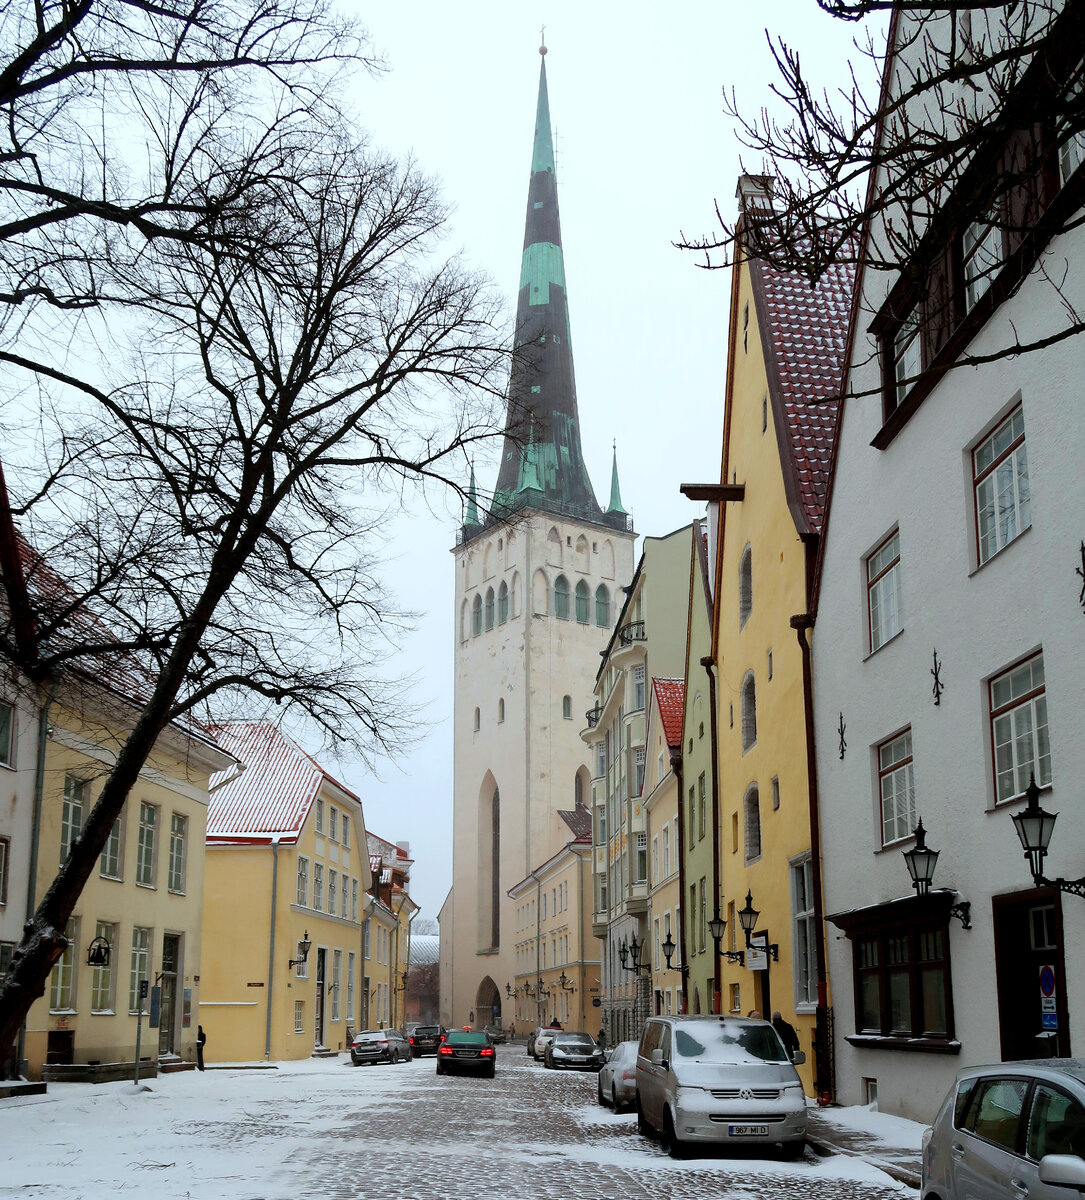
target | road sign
x=1047, y=980
x=1049, y=1020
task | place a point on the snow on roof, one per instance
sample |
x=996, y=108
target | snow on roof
x=425, y=949
x=808, y=327
x=272, y=796
x=579, y=821
x=671, y=699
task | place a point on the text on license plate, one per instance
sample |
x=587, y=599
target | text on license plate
x=748, y=1130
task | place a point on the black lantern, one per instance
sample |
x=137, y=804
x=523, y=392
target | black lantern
x=921, y=861
x=303, y=951
x=98, y=953
x=567, y=984
x=668, y=949
x=542, y=992
x=716, y=929
x=1034, y=828
x=629, y=956
x=747, y=917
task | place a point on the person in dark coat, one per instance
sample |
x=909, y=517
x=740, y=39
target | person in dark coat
x=201, y=1038
x=787, y=1033
x=603, y=1037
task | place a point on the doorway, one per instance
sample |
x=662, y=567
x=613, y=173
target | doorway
x=321, y=965
x=167, y=1026
x=1032, y=1013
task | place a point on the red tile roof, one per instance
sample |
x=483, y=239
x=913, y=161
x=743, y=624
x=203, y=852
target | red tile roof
x=579, y=821
x=671, y=699
x=273, y=794
x=808, y=329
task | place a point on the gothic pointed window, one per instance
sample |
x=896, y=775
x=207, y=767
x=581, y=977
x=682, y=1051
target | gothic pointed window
x=476, y=616
x=583, y=602
x=749, y=712
x=561, y=597
x=502, y=603
x=745, y=586
x=602, y=607
x=495, y=870
x=489, y=608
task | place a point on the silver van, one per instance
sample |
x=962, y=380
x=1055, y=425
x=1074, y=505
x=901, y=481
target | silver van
x=719, y=1079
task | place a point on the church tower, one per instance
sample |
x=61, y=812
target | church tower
x=539, y=572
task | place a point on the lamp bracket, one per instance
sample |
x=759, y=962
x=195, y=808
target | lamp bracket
x=738, y=956
x=963, y=913
x=1075, y=887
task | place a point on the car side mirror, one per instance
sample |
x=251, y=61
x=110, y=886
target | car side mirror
x=657, y=1058
x=798, y=1057
x=1063, y=1170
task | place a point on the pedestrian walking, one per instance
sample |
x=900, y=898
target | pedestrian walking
x=602, y=1037
x=787, y=1033
x=201, y=1039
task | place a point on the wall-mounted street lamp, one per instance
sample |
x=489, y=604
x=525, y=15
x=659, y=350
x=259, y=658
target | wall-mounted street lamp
x=629, y=956
x=542, y=992
x=747, y=918
x=566, y=983
x=1034, y=829
x=668, y=949
x=98, y=953
x=921, y=861
x=716, y=928
x=303, y=951
x=402, y=985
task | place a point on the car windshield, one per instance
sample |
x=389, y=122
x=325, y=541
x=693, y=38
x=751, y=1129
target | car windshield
x=427, y=1030
x=379, y=1035
x=624, y=1052
x=728, y=1041
x=574, y=1039
x=463, y=1038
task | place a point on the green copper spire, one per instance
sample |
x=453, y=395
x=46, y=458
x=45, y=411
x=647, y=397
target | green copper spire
x=472, y=502
x=615, y=505
x=528, y=480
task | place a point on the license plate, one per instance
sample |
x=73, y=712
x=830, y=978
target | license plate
x=748, y=1130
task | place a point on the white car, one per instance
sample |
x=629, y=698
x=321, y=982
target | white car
x=618, y=1077
x=540, y=1040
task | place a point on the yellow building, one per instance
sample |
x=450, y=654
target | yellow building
x=285, y=893
x=137, y=920
x=786, y=348
x=557, y=964
x=661, y=790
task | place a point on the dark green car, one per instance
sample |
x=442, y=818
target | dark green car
x=464, y=1051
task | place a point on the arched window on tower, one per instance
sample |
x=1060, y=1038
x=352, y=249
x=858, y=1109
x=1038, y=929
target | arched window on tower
x=553, y=548
x=602, y=607
x=745, y=586
x=501, y=711
x=752, y=818
x=583, y=602
x=476, y=616
x=567, y=707
x=582, y=560
x=465, y=621
x=540, y=594
x=561, y=598
x=489, y=608
x=495, y=870
x=502, y=603
x=478, y=719
x=749, y=712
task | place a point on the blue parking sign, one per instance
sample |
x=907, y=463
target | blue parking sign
x=1049, y=1020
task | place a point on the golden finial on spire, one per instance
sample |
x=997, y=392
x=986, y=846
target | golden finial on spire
x=542, y=39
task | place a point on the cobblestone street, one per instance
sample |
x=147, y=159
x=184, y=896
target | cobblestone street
x=326, y=1129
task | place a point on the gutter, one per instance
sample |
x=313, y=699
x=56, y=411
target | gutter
x=708, y=664
x=676, y=767
x=271, y=941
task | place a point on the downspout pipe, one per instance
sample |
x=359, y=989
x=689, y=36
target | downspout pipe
x=271, y=942
x=708, y=664
x=823, y=1083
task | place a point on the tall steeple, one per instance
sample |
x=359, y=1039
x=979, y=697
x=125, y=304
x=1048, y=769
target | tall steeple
x=542, y=421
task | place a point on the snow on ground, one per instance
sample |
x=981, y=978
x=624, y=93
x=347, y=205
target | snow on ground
x=882, y=1127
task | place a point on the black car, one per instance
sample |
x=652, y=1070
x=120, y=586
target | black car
x=463, y=1050
x=426, y=1039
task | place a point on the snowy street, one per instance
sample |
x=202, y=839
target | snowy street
x=322, y=1128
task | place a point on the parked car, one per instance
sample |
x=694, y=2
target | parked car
x=379, y=1045
x=719, y=1079
x=1011, y=1129
x=618, y=1077
x=539, y=1040
x=468, y=1051
x=573, y=1050
x=426, y=1039
x=496, y=1034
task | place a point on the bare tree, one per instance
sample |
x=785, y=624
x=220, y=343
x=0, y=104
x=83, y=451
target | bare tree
x=247, y=392
x=977, y=109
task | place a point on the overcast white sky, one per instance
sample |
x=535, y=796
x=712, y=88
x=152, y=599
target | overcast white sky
x=643, y=149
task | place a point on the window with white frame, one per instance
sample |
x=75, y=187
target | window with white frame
x=101, y=977
x=885, y=608
x=638, y=770
x=71, y=813
x=319, y=821
x=109, y=865
x=600, y=759
x=703, y=922
x=5, y=855
x=178, y=839
x=665, y=839
x=302, y=894
x=1072, y=150
x=804, y=950
x=148, y=846
x=702, y=806
x=354, y=900
x=751, y=805
x=346, y=830
x=139, y=967
x=333, y=823
x=656, y=957
x=7, y=735
x=982, y=251
x=299, y=1016
x=333, y=880
x=907, y=355
x=350, y=985
x=344, y=898
x=336, y=983
x=318, y=886
x=62, y=982
x=642, y=858
x=655, y=860
x=1019, y=737
x=638, y=687
x=1000, y=475
x=896, y=788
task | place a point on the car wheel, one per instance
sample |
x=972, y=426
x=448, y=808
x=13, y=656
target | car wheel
x=490, y=1073
x=795, y=1150
x=614, y=1098
x=599, y=1090
x=642, y=1120
x=674, y=1146
x=440, y=1069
